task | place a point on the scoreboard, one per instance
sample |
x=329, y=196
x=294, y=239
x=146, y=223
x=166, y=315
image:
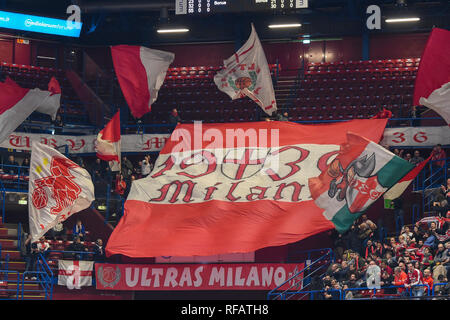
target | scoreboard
x=195, y=7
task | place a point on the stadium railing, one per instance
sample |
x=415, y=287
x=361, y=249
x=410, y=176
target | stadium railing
x=5, y=292
x=44, y=278
x=303, y=277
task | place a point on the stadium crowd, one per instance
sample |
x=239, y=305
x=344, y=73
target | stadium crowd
x=408, y=261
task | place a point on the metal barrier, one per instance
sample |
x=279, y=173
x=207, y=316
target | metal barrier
x=44, y=278
x=14, y=178
x=433, y=291
x=5, y=292
x=313, y=268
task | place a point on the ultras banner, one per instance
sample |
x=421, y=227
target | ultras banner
x=171, y=277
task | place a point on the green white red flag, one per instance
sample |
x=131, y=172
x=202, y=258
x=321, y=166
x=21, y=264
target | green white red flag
x=400, y=187
x=355, y=179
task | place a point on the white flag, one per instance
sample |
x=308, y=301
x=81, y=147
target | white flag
x=75, y=274
x=58, y=188
x=247, y=73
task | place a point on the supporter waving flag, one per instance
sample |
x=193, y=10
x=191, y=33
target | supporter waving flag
x=246, y=73
x=17, y=104
x=432, y=88
x=141, y=72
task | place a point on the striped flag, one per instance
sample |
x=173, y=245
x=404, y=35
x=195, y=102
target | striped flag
x=141, y=72
x=17, y=104
x=355, y=179
x=75, y=274
x=400, y=187
x=432, y=88
x=107, y=144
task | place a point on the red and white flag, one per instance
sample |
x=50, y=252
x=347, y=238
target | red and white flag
x=141, y=72
x=247, y=73
x=17, y=104
x=432, y=88
x=234, y=188
x=107, y=144
x=58, y=188
x=75, y=274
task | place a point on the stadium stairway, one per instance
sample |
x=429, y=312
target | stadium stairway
x=12, y=261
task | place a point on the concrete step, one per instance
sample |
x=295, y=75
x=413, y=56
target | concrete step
x=8, y=244
x=8, y=233
x=14, y=255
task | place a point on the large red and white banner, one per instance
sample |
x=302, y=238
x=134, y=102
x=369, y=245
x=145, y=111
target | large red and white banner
x=259, y=276
x=231, y=188
x=85, y=144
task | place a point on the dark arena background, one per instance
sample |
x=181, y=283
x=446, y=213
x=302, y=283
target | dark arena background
x=330, y=62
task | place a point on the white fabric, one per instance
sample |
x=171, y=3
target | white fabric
x=75, y=274
x=156, y=63
x=439, y=101
x=41, y=219
x=34, y=100
x=246, y=63
x=50, y=105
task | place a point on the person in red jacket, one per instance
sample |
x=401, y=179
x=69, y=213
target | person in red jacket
x=414, y=279
x=427, y=278
x=400, y=279
x=121, y=185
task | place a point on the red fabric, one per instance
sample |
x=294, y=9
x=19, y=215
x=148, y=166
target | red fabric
x=111, y=132
x=10, y=94
x=53, y=86
x=133, y=81
x=385, y=114
x=434, y=68
x=120, y=187
x=180, y=226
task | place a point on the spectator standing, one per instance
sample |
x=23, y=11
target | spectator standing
x=416, y=159
x=79, y=231
x=121, y=185
x=174, y=117
x=77, y=249
x=25, y=170
x=441, y=260
x=400, y=279
x=414, y=279
x=146, y=167
x=438, y=154
x=127, y=168
x=58, y=232
x=43, y=247
x=58, y=124
x=31, y=253
x=398, y=213
x=99, y=251
x=427, y=278
x=11, y=166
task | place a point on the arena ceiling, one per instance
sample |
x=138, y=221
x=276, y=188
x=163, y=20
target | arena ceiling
x=136, y=21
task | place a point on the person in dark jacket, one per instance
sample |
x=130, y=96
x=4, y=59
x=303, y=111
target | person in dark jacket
x=99, y=251
x=174, y=117
x=78, y=230
x=78, y=248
